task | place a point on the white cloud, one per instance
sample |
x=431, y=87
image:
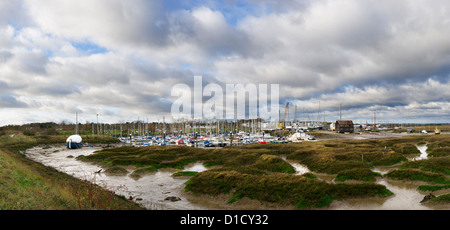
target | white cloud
x=366, y=54
x=115, y=24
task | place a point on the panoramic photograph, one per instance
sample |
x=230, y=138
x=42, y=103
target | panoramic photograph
x=227, y=112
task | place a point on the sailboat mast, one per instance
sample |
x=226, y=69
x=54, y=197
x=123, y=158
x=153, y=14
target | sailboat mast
x=76, y=124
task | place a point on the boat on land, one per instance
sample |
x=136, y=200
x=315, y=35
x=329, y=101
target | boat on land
x=74, y=142
x=279, y=141
x=300, y=136
x=207, y=144
x=437, y=131
x=262, y=142
x=218, y=142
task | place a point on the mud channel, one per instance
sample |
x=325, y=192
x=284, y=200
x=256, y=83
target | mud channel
x=152, y=190
x=149, y=191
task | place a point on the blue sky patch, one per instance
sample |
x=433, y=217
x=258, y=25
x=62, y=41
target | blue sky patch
x=89, y=48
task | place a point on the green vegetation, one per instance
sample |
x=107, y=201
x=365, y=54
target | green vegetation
x=21, y=142
x=140, y=172
x=441, y=199
x=439, y=147
x=433, y=187
x=234, y=198
x=405, y=148
x=27, y=185
x=20, y=188
x=440, y=152
x=185, y=173
x=116, y=170
x=409, y=174
x=279, y=187
x=259, y=171
x=436, y=165
x=309, y=175
x=273, y=164
x=253, y=171
x=362, y=174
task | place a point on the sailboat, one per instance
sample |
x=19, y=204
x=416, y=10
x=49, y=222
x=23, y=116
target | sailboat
x=437, y=131
x=74, y=141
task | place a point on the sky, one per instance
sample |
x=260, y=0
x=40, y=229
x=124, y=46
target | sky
x=121, y=58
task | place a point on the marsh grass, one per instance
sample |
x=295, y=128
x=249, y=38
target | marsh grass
x=259, y=171
x=140, y=172
x=361, y=174
x=436, y=165
x=28, y=185
x=414, y=175
x=184, y=173
x=441, y=199
x=273, y=164
x=88, y=196
x=433, y=187
x=330, y=156
x=116, y=170
x=300, y=191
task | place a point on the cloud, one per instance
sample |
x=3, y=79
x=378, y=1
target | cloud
x=123, y=57
x=114, y=24
x=396, y=102
x=10, y=101
x=357, y=52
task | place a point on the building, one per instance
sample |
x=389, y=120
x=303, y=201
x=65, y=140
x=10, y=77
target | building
x=328, y=126
x=344, y=126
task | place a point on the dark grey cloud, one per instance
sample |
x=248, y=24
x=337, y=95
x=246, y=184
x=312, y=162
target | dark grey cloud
x=29, y=62
x=11, y=101
x=209, y=30
x=5, y=56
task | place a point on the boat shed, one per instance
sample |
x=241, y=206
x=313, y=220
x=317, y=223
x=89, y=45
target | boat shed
x=345, y=126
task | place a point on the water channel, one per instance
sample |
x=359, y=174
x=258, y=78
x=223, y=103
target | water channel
x=151, y=190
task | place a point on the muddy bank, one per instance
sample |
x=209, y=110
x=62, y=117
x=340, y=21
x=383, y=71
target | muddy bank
x=406, y=197
x=150, y=191
x=219, y=202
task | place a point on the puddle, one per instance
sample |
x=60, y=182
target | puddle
x=423, y=152
x=299, y=168
x=405, y=197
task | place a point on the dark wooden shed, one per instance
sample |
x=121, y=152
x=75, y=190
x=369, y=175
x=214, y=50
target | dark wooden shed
x=345, y=126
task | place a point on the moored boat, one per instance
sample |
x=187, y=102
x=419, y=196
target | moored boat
x=437, y=131
x=74, y=142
